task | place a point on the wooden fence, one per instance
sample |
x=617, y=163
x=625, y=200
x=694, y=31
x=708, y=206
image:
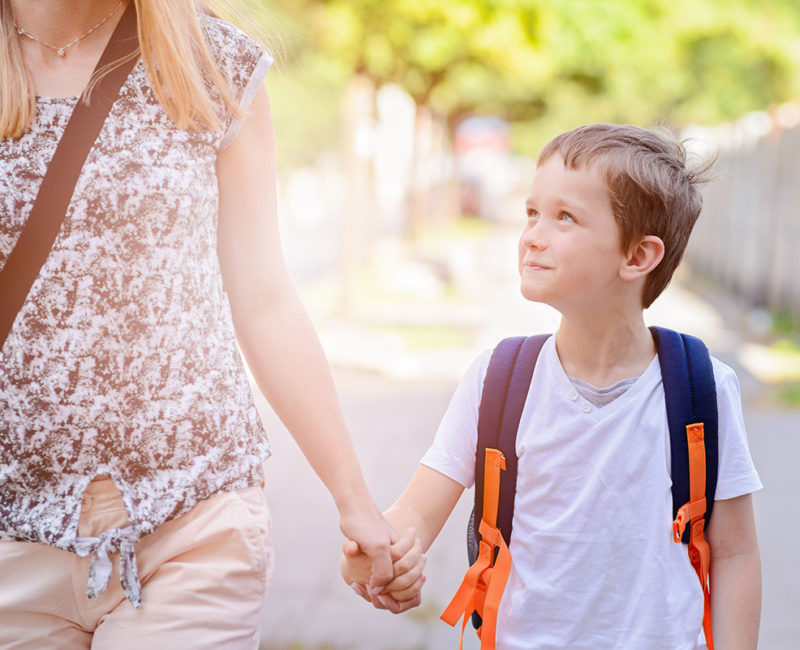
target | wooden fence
x=748, y=235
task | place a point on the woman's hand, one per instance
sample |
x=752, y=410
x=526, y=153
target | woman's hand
x=404, y=590
x=372, y=536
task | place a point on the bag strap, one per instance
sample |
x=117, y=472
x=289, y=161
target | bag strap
x=691, y=397
x=55, y=193
x=481, y=590
x=505, y=389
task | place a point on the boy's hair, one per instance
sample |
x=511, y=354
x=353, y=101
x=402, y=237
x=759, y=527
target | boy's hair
x=652, y=190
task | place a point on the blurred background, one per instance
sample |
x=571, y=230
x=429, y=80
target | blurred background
x=406, y=134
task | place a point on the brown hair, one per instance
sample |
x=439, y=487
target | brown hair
x=652, y=190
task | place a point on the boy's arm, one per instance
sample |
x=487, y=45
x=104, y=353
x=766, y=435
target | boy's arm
x=425, y=504
x=735, y=574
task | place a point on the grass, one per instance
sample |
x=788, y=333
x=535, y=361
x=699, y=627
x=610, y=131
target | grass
x=786, y=392
x=787, y=347
x=784, y=324
x=789, y=395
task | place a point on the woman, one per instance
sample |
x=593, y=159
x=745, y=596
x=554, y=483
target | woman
x=131, y=503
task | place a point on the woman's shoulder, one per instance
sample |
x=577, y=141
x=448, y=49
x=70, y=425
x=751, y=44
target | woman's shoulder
x=217, y=31
x=233, y=50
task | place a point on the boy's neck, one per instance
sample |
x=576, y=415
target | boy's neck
x=604, y=348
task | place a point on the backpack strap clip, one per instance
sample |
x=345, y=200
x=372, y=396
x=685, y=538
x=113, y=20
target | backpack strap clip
x=687, y=513
x=482, y=588
x=693, y=513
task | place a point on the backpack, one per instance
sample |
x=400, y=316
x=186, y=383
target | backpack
x=690, y=396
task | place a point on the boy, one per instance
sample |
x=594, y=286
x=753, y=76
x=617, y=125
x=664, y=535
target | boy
x=594, y=564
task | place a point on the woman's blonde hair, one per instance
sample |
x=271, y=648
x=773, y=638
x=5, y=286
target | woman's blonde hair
x=175, y=55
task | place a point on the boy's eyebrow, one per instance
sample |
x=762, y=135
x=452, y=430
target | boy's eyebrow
x=562, y=203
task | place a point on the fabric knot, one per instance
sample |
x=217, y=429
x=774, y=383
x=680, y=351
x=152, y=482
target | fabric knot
x=116, y=539
x=129, y=571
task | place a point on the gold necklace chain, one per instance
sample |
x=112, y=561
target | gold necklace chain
x=61, y=51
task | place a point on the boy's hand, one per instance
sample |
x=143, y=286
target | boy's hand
x=408, y=561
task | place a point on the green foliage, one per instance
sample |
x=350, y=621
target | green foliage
x=305, y=100
x=789, y=395
x=544, y=65
x=785, y=324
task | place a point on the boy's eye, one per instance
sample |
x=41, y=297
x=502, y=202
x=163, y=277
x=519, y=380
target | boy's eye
x=566, y=216
x=532, y=214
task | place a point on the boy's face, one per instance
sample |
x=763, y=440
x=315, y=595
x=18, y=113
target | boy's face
x=570, y=251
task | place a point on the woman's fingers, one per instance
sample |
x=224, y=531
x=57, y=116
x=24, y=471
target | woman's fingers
x=360, y=590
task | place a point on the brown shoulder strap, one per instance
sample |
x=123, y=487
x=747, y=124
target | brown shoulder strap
x=55, y=193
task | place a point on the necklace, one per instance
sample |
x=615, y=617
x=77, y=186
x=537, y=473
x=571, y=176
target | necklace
x=61, y=51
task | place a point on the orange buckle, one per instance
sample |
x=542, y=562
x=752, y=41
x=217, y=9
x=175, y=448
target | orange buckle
x=678, y=526
x=687, y=513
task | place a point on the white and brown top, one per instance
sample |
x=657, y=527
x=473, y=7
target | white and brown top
x=123, y=360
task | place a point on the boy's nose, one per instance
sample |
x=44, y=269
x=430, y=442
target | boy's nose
x=534, y=236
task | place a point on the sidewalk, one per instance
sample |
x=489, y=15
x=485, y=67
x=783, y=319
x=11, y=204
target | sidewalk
x=395, y=384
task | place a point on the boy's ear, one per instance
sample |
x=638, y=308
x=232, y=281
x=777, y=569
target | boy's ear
x=643, y=257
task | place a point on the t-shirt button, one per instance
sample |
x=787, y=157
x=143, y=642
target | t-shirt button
x=586, y=408
x=573, y=396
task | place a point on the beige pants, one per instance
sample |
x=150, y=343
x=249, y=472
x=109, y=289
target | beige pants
x=204, y=576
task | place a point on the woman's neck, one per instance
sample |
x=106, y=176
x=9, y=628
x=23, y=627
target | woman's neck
x=59, y=21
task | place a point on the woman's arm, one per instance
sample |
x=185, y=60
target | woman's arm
x=735, y=574
x=277, y=337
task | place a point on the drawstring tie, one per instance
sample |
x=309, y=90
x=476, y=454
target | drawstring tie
x=110, y=541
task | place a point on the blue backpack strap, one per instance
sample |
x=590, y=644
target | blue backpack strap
x=505, y=389
x=691, y=396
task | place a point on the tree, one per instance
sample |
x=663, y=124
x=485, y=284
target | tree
x=547, y=65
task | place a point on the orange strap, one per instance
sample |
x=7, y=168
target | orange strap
x=482, y=587
x=692, y=513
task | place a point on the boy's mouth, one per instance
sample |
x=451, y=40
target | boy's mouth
x=535, y=266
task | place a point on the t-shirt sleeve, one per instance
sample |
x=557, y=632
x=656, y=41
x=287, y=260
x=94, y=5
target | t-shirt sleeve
x=737, y=474
x=453, y=450
x=243, y=62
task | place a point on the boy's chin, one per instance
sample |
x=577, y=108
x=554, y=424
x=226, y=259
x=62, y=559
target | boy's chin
x=533, y=294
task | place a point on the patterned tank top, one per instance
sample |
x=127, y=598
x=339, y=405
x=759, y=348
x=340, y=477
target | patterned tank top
x=123, y=360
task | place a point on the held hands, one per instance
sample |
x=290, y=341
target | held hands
x=372, y=535
x=403, y=591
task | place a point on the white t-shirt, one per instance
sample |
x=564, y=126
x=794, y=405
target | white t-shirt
x=594, y=564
